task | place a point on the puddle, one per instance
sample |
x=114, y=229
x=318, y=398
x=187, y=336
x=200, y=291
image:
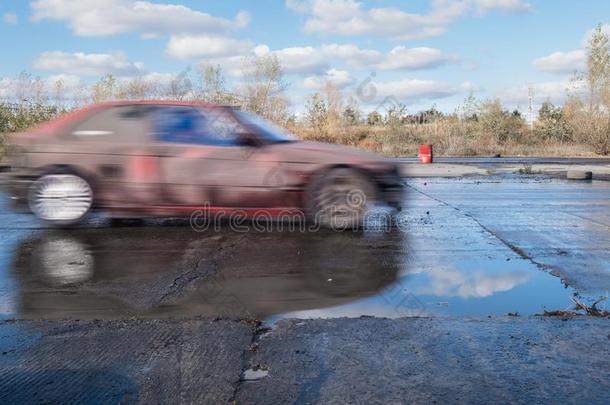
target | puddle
x=254, y=375
x=440, y=262
x=174, y=272
x=470, y=288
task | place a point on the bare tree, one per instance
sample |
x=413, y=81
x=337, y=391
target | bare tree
x=211, y=86
x=22, y=87
x=104, y=89
x=211, y=83
x=59, y=92
x=352, y=113
x=137, y=88
x=264, y=88
x=316, y=113
x=180, y=86
x=590, y=119
x=468, y=110
x=598, y=67
x=39, y=94
x=334, y=103
x=82, y=95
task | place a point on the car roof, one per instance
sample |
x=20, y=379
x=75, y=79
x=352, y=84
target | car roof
x=68, y=118
x=149, y=102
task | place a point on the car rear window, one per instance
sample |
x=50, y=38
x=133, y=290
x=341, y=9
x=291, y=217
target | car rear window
x=126, y=124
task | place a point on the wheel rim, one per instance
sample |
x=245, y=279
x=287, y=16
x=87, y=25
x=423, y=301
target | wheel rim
x=60, y=197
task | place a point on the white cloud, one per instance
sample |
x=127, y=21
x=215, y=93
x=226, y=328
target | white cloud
x=401, y=58
x=68, y=81
x=562, y=62
x=352, y=55
x=309, y=60
x=509, y=6
x=88, y=64
x=297, y=5
x=70, y=85
x=9, y=18
x=204, y=46
x=294, y=60
x=5, y=88
x=340, y=78
x=349, y=17
x=159, y=78
x=302, y=60
x=568, y=62
x=416, y=90
x=447, y=282
x=231, y=65
x=110, y=17
x=34, y=85
x=555, y=91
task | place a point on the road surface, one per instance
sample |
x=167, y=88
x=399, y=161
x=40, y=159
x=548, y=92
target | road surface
x=416, y=312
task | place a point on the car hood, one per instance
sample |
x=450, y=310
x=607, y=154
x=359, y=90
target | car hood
x=318, y=152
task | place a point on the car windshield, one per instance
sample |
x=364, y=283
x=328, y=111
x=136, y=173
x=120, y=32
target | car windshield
x=264, y=128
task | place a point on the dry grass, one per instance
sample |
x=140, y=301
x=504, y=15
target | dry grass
x=576, y=133
x=3, y=145
x=448, y=138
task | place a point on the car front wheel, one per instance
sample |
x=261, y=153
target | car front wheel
x=60, y=199
x=339, y=198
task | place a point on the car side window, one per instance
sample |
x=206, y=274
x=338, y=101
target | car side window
x=224, y=126
x=119, y=124
x=183, y=124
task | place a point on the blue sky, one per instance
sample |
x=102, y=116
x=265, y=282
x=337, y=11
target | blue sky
x=420, y=52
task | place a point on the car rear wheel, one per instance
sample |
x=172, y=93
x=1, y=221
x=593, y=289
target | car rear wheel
x=339, y=199
x=61, y=198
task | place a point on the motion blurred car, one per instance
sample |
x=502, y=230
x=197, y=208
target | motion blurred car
x=163, y=158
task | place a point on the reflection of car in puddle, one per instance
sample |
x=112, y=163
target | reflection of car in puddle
x=172, y=271
x=63, y=261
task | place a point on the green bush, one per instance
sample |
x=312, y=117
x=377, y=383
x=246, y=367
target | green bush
x=16, y=118
x=499, y=123
x=552, y=124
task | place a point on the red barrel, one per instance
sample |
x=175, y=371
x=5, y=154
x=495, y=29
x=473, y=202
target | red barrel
x=425, y=153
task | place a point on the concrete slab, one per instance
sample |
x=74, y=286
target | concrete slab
x=559, y=225
x=375, y=361
x=195, y=361
x=457, y=167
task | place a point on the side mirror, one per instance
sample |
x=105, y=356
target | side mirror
x=248, y=140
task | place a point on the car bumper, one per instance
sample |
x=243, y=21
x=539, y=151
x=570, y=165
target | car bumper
x=392, y=188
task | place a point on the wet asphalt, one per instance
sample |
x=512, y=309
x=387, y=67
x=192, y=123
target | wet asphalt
x=415, y=312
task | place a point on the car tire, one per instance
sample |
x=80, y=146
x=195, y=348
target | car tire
x=61, y=198
x=339, y=198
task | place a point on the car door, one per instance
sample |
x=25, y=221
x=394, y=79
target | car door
x=112, y=146
x=204, y=160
